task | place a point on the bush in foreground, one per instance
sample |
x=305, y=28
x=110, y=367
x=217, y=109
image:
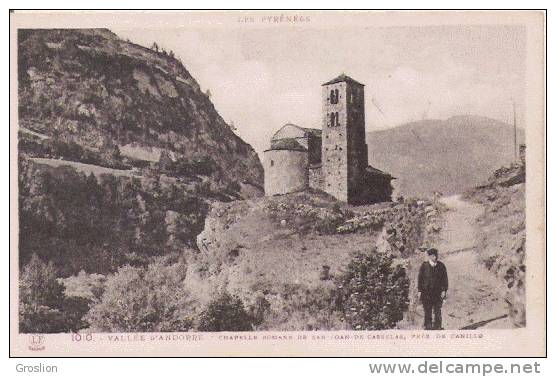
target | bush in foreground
x=144, y=299
x=373, y=293
x=225, y=313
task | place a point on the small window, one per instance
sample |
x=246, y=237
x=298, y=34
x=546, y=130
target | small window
x=271, y=162
x=333, y=119
x=337, y=118
x=334, y=96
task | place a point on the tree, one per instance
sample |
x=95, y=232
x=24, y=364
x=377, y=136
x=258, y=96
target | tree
x=154, y=46
x=41, y=299
x=165, y=162
x=144, y=299
x=115, y=154
x=38, y=284
x=110, y=153
x=374, y=291
x=225, y=313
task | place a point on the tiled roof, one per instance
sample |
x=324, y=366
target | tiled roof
x=313, y=131
x=373, y=170
x=342, y=78
x=288, y=144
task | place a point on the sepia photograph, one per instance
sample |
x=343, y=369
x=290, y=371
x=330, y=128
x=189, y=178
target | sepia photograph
x=229, y=182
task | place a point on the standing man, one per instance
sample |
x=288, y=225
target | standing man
x=432, y=286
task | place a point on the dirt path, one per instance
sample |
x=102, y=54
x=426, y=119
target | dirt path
x=85, y=168
x=475, y=297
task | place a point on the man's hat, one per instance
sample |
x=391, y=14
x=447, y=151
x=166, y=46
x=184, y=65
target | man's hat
x=432, y=251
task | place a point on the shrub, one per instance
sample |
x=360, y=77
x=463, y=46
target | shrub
x=144, y=299
x=74, y=309
x=225, y=313
x=374, y=291
x=259, y=310
x=42, y=305
x=309, y=309
x=40, y=319
x=84, y=285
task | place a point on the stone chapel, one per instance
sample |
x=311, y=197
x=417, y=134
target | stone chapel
x=334, y=158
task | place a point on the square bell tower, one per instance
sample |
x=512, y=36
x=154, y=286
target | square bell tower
x=344, y=150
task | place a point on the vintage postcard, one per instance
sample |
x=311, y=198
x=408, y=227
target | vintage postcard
x=266, y=183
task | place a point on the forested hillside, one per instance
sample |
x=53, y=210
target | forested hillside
x=120, y=152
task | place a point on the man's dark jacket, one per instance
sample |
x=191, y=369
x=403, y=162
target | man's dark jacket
x=432, y=280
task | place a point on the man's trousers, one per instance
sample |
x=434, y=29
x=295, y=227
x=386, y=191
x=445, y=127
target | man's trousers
x=431, y=305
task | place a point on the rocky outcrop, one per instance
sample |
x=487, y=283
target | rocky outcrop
x=289, y=251
x=91, y=89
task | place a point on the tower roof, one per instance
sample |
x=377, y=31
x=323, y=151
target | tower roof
x=342, y=78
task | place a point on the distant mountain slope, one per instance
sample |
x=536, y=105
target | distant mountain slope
x=90, y=88
x=448, y=156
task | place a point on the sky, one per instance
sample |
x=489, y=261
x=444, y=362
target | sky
x=261, y=79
